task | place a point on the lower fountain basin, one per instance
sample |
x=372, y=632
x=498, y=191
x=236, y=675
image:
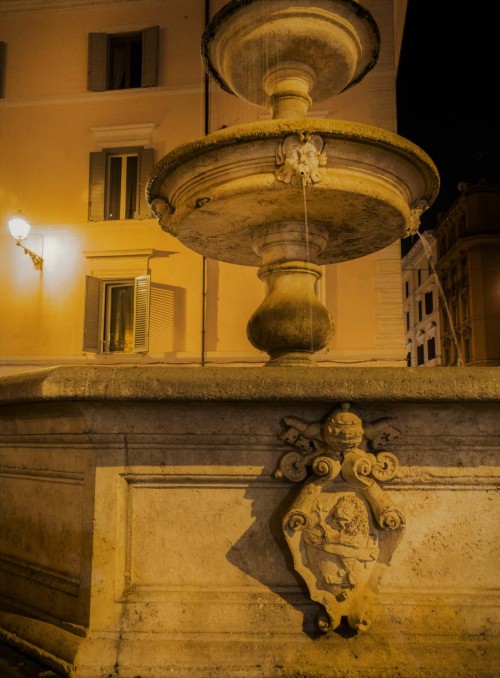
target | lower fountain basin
x=366, y=187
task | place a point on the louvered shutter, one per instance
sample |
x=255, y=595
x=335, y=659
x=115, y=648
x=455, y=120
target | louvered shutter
x=150, y=49
x=146, y=164
x=93, y=305
x=97, y=186
x=163, y=327
x=98, y=62
x=141, y=319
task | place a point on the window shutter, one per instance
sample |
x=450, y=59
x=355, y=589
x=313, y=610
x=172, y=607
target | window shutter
x=146, y=164
x=141, y=320
x=98, y=62
x=93, y=303
x=150, y=49
x=97, y=185
x=164, y=326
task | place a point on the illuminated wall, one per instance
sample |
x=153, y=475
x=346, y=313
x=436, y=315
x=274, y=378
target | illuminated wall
x=51, y=122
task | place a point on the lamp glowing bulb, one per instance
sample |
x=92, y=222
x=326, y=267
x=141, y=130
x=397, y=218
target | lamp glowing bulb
x=19, y=228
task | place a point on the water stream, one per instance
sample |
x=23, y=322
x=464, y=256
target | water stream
x=306, y=226
x=428, y=253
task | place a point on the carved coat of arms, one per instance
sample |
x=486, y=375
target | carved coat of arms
x=343, y=527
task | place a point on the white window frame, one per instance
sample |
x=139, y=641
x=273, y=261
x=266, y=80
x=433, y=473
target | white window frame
x=99, y=184
x=95, y=322
x=122, y=212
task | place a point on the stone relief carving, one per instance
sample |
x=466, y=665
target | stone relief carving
x=416, y=211
x=164, y=212
x=300, y=158
x=343, y=527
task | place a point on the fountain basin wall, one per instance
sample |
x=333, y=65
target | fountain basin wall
x=141, y=522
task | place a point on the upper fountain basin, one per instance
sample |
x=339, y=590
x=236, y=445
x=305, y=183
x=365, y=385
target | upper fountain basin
x=249, y=44
x=364, y=187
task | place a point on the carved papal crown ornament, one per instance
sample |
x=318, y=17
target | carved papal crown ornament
x=343, y=527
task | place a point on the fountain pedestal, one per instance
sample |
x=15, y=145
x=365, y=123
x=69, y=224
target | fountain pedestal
x=291, y=324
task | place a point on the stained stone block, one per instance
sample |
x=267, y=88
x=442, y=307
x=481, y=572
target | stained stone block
x=142, y=513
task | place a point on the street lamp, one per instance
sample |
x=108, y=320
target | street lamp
x=19, y=229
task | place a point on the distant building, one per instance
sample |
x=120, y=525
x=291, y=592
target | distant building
x=421, y=304
x=465, y=251
x=468, y=248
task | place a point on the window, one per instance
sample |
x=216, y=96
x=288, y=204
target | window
x=117, y=183
x=407, y=318
x=429, y=302
x=420, y=354
x=407, y=289
x=116, y=315
x=123, y=60
x=408, y=359
x=419, y=310
x=431, y=348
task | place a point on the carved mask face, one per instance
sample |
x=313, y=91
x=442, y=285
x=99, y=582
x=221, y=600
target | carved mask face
x=303, y=160
x=300, y=160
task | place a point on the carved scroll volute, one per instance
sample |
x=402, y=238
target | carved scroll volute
x=342, y=527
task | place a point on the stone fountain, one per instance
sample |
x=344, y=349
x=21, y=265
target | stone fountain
x=291, y=193
x=155, y=519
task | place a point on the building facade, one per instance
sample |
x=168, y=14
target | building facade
x=94, y=94
x=421, y=304
x=451, y=285
x=468, y=250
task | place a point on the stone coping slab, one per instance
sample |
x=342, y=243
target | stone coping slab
x=245, y=384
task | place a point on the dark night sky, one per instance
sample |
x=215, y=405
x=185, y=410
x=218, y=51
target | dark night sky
x=447, y=82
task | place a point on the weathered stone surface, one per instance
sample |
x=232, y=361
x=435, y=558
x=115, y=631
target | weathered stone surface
x=156, y=520
x=337, y=40
x=248, y=384
x=223, y=187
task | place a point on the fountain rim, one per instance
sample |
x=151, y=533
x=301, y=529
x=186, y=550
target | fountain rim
x=278, y=128
x=235, y=5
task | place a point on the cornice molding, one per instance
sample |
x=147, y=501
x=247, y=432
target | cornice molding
x=25, y=6
x=112, y=254
x=116, y=136
x=92, y=97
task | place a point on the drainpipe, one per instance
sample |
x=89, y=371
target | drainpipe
x=204, y=259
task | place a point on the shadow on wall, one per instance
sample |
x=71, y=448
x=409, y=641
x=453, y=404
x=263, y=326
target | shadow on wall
x=263, y=554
